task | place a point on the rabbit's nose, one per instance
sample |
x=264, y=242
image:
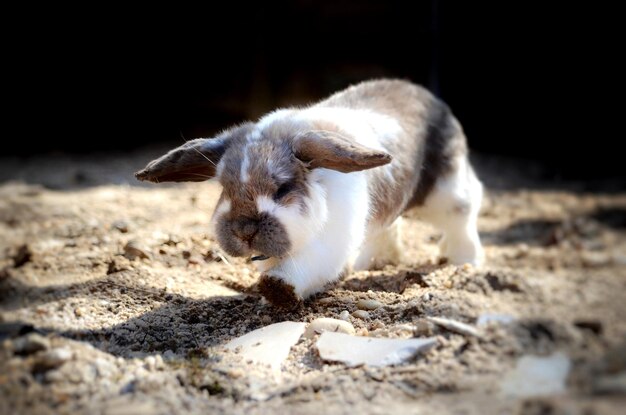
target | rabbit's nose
x=246, y=229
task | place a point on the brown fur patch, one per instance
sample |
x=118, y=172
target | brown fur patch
x=194, y=161
x=278, y=293
x=332, y=151
x=241, y=235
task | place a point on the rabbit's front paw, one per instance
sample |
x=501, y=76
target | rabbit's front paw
x=278, y=292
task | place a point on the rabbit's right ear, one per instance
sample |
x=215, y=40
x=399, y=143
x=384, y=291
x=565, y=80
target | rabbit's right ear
x=194, y=161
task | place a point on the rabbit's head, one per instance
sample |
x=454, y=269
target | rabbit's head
x=272, y=202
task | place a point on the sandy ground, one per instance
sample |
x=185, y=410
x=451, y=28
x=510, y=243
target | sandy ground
x=115, y=299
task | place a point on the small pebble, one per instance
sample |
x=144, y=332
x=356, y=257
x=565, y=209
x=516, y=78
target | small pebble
x=78, y=312
x=150, y=363
x=236, y=373
x=378, y=325
x=423, y=327
x=368, y=304
x=22, y=256
x=172, y=240
x=54, y=358
x=211, y=255
x=132, y=250
x=619, y=259
x=595, y=259
x=29, y=344
x=194, y=260
x=362, y=314
x=610, y=384
x=344, y=315
x=53, y=376
x=4, y=273
x=426, y=297
x=320, y=325
x=121, y=226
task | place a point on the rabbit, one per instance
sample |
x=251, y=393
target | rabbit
x=311, y=193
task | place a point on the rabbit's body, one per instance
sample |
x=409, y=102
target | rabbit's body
x=321, y=189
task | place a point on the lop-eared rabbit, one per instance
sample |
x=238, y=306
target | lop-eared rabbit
x=312, y=192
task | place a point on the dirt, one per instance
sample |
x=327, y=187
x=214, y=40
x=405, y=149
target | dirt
x=116, y=300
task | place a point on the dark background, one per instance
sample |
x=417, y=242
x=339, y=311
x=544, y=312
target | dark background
x=532, y=81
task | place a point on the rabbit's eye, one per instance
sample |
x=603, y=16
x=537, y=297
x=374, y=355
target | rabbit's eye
x=283, y=190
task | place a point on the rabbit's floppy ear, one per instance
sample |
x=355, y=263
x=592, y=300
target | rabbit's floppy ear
x=330, y=150
x=194, y=161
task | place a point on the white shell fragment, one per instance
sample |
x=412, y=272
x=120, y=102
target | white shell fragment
x=455, y=326
x=268, y=345
x=537, y=376
x=320, y=325
x=355, y=350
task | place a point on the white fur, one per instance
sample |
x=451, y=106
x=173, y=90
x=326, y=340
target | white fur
x=254, y=135
x=327, y=235
x=273, y=116
x=382, y=245
x=209, y=144
x=301, y=228
x=220, y=210
x=219, y=169
x=367, y=127
x=245, y=166
x=453, y=207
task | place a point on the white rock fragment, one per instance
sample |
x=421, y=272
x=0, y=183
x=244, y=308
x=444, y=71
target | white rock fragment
x=537, y=376
x=455, y=326
x=345, y=315
x=355, y=351
x=485, y=319
x=268, y=345
x=320, y=325
x=368, y=304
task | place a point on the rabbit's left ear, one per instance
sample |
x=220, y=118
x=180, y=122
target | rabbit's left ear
x=336, y=152
x=194, y=161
